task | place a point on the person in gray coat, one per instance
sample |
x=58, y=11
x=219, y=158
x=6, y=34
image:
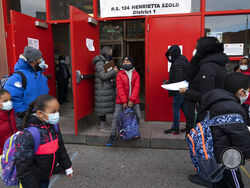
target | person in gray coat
x=104, y=87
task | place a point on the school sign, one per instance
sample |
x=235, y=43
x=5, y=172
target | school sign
x=123, y=8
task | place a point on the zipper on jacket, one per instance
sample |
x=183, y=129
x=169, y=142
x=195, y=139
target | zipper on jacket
x=54, y=156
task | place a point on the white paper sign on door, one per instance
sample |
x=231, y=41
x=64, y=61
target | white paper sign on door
x=169, y=64
x=90, y=44
x=234, y=49
x=33, y=43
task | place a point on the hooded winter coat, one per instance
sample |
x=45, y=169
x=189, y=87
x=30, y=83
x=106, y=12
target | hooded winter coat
x=36, y=85
x=104, y=90
x=178, y=69
x=210, y=75
x=34, y=168
x=7, y=126
x=219, y=102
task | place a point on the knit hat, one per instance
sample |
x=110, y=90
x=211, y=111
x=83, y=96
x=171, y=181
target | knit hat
x=235, y=81
x=130, y=59
x=31, y=53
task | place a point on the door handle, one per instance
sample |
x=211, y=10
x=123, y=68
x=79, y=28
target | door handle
x=80, y=77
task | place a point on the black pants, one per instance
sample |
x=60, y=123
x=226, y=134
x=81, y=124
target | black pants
x=231, y=179
x=62, y=86
x=190, y=118
x=102, y=118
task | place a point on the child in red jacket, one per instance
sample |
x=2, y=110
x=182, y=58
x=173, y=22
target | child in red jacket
x=128, y=88
x=7, y=118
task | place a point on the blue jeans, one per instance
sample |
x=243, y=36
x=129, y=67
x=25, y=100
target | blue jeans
x=179, y=102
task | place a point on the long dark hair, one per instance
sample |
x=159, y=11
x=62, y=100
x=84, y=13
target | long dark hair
x=3, y=91
x=38, y=104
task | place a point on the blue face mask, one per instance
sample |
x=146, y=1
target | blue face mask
x=110, y=57
x=53, y=118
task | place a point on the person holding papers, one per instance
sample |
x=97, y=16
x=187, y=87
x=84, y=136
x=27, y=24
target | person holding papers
x=206, y=71
x=177, y=73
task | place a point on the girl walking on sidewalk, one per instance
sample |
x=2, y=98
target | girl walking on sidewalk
x=35, y=168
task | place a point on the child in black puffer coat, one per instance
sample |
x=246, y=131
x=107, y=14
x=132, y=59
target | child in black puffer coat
x=35, y=169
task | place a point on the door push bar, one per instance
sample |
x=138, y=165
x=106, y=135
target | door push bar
x=80, y=77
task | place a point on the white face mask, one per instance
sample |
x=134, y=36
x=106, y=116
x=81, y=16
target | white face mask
x=169, y=58
x=194, y=52
x=243, y=67
x=243, y=99
x=7, y=105
x=53, y=118
x=43, y=65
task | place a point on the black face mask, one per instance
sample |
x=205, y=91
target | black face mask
x=127, y=67
x=38, y=68
x=110, y=57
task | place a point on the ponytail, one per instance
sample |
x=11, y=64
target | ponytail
x=28, y=113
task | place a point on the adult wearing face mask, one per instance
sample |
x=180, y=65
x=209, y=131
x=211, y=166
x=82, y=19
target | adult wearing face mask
x=206, y=71
x=31, y=64
x=7, y=118
x=104, y=91
x=177, y=73
x=62, y=78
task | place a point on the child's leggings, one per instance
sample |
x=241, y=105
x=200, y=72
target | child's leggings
x=118, y=109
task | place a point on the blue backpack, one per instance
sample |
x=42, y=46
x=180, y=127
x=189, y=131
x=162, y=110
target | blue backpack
x=200, y=143
x=128, y=125
x=7, y=167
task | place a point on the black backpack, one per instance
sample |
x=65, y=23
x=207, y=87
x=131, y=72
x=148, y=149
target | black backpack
x=5, y=78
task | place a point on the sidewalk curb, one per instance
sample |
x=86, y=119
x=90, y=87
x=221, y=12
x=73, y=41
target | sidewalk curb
x=157, y=143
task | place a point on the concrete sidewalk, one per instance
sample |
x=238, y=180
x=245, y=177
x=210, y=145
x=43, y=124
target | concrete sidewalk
x=152, y=133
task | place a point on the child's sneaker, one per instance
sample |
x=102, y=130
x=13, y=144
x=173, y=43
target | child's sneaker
x=112, y=140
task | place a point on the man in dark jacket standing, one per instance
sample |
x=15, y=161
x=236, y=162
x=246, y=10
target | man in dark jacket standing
x=177, y=73
x=228, y=101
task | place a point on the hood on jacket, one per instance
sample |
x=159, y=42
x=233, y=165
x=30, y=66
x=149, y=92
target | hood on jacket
x=216, y=95
x=22, y=64
x=175, y=52
x=98, y=58
x=217, y=58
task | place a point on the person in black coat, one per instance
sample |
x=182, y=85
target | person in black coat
x=206, y=71
x=228, y=101
x=62, y=78
x=177, y=73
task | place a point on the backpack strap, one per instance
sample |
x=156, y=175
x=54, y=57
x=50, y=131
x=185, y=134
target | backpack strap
x=24, y=80
x=56, y=127
x=36, y=136
x=226, y=119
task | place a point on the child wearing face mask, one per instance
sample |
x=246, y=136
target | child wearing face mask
x=7, y=118
x=35, y=169
x=243, y=68
x=128, y=88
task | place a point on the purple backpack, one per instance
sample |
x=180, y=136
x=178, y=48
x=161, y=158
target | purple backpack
x=7, y=167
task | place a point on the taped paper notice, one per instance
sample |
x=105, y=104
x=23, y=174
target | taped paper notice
x=175, y=86
x=90, y=44
x=33, y=43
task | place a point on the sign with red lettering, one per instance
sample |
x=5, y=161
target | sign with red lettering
x=122, y=8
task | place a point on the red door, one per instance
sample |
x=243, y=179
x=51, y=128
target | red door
x=83, y=92
x=164, y=32
x=23, y=28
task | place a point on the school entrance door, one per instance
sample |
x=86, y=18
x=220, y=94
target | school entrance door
x=163, y=32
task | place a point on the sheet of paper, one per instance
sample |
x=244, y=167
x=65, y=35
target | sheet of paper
x=33, y=43
x=175, y=86
x=90, y=44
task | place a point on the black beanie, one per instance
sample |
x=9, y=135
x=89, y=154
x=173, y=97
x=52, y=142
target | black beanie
x=235, y=81
x=31, y=53
x=130, y=59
